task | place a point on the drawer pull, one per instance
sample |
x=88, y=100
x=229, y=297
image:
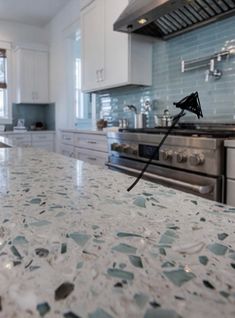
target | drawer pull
x=92, y=142
x=90, y=158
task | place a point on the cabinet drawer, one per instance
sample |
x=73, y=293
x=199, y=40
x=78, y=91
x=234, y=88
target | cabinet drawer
x=67, y=150
x=92, y=157
x=91, y=142
x=42, y=137
x=20, y=140
x=67, y=138
x=230, y=192
x=47, y=145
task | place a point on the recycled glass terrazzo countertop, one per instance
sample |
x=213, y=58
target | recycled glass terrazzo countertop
x=75, y=243
x=5, y=142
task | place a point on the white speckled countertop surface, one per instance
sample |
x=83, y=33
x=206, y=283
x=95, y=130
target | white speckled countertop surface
x=85, y=131
x=74, y=243
x=5, y=142
x=10, y=132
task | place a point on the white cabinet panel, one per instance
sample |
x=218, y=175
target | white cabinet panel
x=39, y=140
x=91, y=156
x=67, y=138
x=49, y=145
x=42, y=137
x=116, y=46
x=109, y=58
x=20, y=140
x=41, y=77
x=31, y=76
x=88, y=147
x=92, y=33
x=89, y=141
x=43, y=140
x=230, y=192
x=231, y=163
x=67, y=150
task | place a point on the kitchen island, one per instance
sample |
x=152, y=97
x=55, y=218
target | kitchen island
x=75, y=243
x=5, y=142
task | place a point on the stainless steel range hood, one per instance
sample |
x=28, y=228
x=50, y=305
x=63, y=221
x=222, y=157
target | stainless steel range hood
x=169, y=18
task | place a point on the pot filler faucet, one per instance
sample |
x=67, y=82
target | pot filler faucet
x=190, y=103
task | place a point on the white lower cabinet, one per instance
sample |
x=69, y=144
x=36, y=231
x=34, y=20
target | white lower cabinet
x=66, y=138
x=44, y=141
x=230, y=192
x=88, y=147
x=91, y=156
x=67, y=150
x=20, y=140
x=230, y=172
x=29, y=139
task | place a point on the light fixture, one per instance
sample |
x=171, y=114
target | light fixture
x=142, y=21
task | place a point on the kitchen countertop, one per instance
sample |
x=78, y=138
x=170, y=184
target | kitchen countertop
x=75, y=243
x=5, y=142
x=91, y=131
x=27, y=132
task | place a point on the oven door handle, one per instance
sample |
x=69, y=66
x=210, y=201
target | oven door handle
x=202, y=189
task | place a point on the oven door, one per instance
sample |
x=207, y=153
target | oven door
x=204, y=186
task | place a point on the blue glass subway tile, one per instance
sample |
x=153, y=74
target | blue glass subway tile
x=169, y=84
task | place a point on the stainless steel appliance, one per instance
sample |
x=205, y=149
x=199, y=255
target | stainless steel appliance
x=168, y=18
x=191, y=159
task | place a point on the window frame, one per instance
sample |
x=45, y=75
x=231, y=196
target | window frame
x=8, y=119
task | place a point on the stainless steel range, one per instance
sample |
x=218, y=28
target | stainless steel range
x=191, y=160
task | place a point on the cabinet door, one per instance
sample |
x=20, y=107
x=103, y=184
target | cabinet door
x=32, y=76
x=21, y=140
x=92, y=35
x=47, y=145
x=25, y=78
x=116, y=46
x=41, y=77
x=91, y=156
x=67, y=150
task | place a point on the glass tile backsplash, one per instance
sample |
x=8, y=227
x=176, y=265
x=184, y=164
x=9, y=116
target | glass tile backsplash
x=33, y=113
x=217, y=96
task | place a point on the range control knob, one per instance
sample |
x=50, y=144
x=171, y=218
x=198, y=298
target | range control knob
x=126, y=148
x=133, y=151
x=167, y=155
x=115, y=146
x=197, y=159
x=181, y=157
x=121, y=148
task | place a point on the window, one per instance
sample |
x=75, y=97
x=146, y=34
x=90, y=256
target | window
x=3, y=83
x=81, y=101
x=5, y=110
x=78, y=98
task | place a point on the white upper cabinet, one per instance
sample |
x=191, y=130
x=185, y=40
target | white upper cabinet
x=111, y=59
x=31, y=76
x=92, y=25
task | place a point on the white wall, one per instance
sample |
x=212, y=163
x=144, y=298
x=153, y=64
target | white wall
x=60, y=30
x=18, y=33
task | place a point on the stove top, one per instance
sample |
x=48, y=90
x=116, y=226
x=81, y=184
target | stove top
x=185, y=129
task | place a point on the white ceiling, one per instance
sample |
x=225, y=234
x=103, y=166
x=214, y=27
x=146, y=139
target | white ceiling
x=33, y=12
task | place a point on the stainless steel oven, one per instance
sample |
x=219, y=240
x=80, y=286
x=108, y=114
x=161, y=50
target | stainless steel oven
x=194, y=164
